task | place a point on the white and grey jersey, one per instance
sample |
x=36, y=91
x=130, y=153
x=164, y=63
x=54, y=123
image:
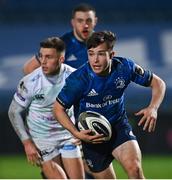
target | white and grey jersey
x=37, y=93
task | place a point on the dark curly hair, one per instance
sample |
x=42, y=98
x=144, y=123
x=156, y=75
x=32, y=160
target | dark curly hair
x=98, y=38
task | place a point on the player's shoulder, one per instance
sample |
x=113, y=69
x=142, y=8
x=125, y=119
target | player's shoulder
x=67, y=36
x=67, y=69
x=33, y=77
x=122, y=62
x=82, y=70
x=29, y=82
x=81, y=74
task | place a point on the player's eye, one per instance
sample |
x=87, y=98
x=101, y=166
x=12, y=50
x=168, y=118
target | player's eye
x=89, y=21
x=80, y=20
x=103, y=53
x=91, y=53
x=49, y=57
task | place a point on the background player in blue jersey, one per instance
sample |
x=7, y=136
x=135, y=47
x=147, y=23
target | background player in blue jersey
x=108, y=76
x=83, y=22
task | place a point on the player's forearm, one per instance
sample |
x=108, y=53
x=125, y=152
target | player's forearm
x=64, y=119
x=31, y=65
x=158, y=92
x=15, y=116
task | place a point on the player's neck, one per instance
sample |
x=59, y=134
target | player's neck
x=107, y=71
x=77, y=37
x=53, y=78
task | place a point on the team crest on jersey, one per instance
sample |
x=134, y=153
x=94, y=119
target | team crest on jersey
x=120, y=83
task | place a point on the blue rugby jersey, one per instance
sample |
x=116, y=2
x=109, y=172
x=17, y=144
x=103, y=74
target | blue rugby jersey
x=104, y=95
x=76, y=51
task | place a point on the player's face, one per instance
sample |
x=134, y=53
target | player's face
x=83, y=24
x=100, y=59
x=50, y=61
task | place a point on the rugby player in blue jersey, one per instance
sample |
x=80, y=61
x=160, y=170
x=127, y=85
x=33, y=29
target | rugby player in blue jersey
x=108, y=76
x=83, y=22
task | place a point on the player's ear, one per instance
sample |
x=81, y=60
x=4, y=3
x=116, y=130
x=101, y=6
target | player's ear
x=72, y=22
x=96, y=20
x=62, y=58
x=112, y=54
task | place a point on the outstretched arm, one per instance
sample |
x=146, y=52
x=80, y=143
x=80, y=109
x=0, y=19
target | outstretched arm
x=150, y=113
x=31, y=65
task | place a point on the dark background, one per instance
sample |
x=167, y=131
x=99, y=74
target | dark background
x=144, y=33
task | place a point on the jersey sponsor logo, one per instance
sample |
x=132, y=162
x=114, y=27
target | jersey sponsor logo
x=38, y=97
x=69, y=147
x=120, y=83
x=92, y=93
x=101, y=105
x=47, y=118
x=71, y=58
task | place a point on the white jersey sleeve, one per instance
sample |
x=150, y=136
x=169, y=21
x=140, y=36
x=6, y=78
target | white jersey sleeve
x=23, y=95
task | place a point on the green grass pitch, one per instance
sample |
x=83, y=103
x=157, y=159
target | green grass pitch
x=16, y=167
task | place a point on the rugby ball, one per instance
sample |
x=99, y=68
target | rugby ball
x=96, y=122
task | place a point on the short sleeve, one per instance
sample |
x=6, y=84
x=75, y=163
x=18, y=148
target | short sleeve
x=140, y=75
x=71, y=93
x=23, y=95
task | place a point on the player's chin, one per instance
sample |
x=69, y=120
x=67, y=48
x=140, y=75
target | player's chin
x=47, y=72
x=97, y=70
x=84, y=38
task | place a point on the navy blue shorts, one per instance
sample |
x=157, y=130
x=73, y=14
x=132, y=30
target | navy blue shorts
x=99, y=156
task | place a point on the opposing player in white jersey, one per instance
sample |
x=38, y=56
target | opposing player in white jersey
x=45, y=141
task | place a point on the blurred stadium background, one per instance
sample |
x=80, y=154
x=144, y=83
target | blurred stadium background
x=144, y=31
